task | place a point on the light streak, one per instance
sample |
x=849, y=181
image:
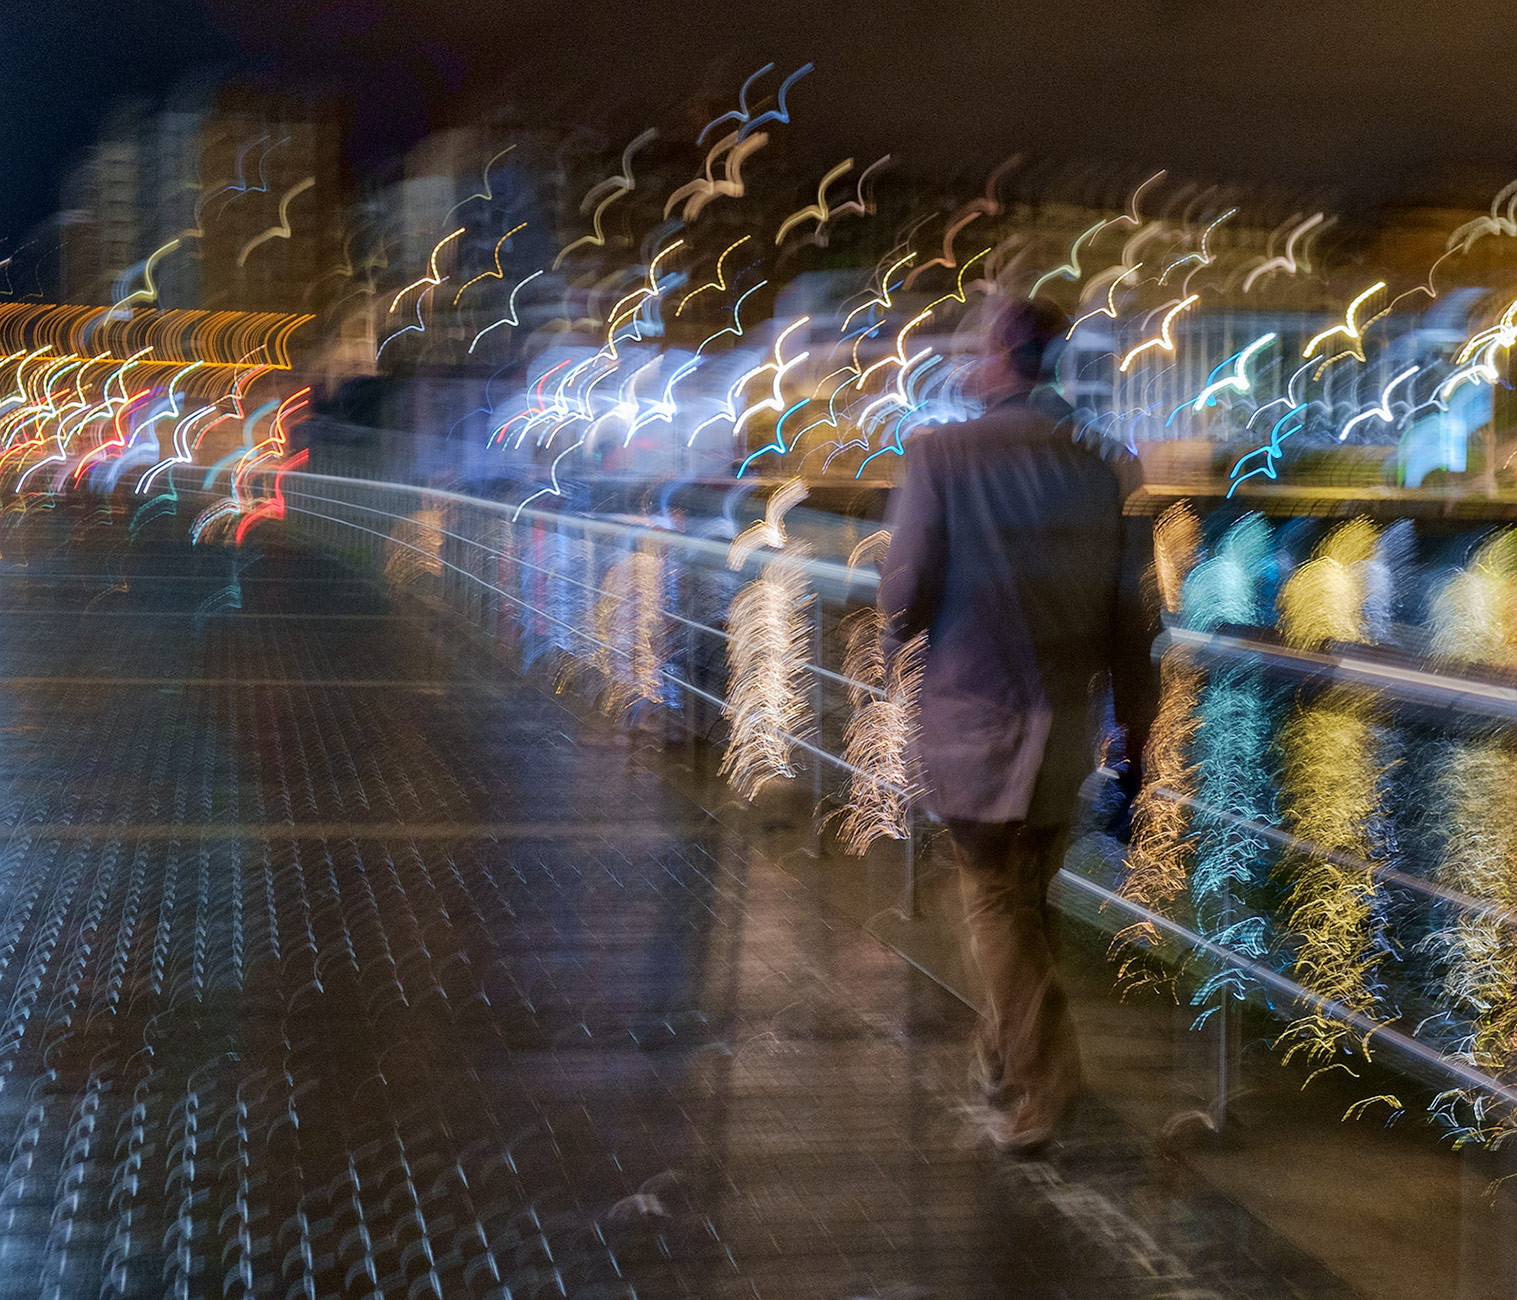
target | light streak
x=629, y=626
x=698, y=193
x=1110, y=309
x=648, y=293
x=780, y=366
x=1323, y=600
x=882, y=299
x=183, y=454
x=1477, y=359
x=1132, y=216
x=780, y=114
x=1494, y=224
x=817, y=210
x=1479, y=949
x=281, y=230
x=554, y=488
x=434, y=277
x=116, y=444
x=719, y=283
x=860, y=205
x=1288, y=262
x=510, y=317
x=946, y=259
x=1201, y=258
x=1234, y=788
x=419, y=328
x=179, y=454
x=1159, y=858
x=1069, y=270
x=768, y=630
x=958, y=295
x=149, y=290
x=274, y=508
x=736, y=328
x=618, y=185
x=1331, y=791
x=1383, y=410
x=1165, y=340
x=741, y=114
x=1474, y=615
x=1349, y=329
x=487, y=194
x=1225, y=588
x=238, y=184
x=1177, y=538
x=1238, y=380
x=1271, y=451
x=415, y=548
x=882, y=728
x=665, y=409
x=497, y=273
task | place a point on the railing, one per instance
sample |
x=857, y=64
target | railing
x=646, y=613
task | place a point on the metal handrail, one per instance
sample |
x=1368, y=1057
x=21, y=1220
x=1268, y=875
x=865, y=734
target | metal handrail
x=1413, y=683
x=822, y=572
x=817, y=669
x=800, y=742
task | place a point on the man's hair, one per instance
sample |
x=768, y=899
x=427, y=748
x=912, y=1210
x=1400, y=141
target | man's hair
x=1028, y=334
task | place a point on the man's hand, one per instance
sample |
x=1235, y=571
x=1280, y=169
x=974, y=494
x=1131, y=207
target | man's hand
x=1129, y=780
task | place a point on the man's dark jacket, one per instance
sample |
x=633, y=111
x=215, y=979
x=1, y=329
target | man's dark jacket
x=1010, y=549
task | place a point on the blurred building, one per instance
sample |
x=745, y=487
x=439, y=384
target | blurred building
x=228, y=201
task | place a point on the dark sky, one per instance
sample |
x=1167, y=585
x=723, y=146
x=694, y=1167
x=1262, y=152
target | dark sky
x=1374, y=97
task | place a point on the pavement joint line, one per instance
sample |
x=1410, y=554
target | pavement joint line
x=361, y=830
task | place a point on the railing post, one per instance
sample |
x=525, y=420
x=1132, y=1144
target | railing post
x=817, y=703
x=1228, y=1037
x=913, y=907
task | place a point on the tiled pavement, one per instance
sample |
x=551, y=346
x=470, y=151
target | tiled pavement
x=328, y=970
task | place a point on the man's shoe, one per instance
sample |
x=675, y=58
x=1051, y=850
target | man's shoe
x=1000, y=1128
x=1014, y=1137
x=986, y=1079
x=1029, y=1130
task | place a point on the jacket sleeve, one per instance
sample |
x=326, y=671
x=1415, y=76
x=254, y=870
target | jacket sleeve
x=1135, y=624
x=911, y=585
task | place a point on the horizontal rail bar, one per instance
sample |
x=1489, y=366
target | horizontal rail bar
x=1409, y=1047
x=1418, y=685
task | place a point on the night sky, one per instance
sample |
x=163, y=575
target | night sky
x=1371, y=99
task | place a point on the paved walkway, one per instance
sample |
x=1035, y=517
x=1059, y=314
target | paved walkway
x=328, y=970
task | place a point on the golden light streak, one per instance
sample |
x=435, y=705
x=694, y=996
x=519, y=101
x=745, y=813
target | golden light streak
x=1160, y=855
x=1177, y=538
x=817, y=210
x=433, y=276
x=719, y=283
x=1331, y=791
x=497, y=273
x=1349, y=329
x=1323, y=600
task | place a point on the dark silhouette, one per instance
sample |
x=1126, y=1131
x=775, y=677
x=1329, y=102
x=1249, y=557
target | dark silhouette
x=1010, y=549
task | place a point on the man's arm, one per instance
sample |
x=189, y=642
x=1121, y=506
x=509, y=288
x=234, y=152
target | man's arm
x=912, y=583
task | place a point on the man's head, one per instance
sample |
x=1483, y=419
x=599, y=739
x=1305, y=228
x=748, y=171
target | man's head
x=1025, y=338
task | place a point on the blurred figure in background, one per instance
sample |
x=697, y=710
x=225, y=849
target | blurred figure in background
x=1010, y=550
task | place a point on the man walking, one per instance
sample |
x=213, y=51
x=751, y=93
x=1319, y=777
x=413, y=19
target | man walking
x=1010, y=550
